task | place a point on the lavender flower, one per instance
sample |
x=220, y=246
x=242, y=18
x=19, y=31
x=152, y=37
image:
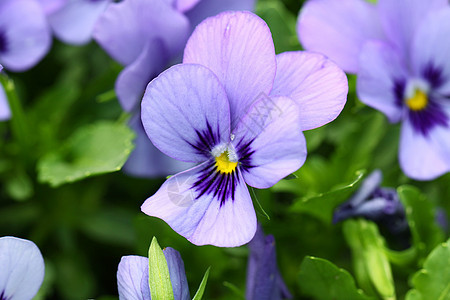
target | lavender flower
x=132, y=276
x=51, y=6
x=5, y=112
x=24, y=34
x=400, y=51
x=227, y=109
x=263, y=277
x=22, y=269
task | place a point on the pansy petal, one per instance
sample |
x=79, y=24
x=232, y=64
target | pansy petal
x=401, y=18
x=381, y=79
x=50, y=6
x=22, y=268
x=177, y=274
x=431, y=50
x=338, y=29
x=269, y=141
x=238, y=48
x=185, y=5
x=146, y=160
x=74, y=23
x=207, y=8
x=420, y=156
x=205, y=218
x=5, y=112
x=25, y=33
x=315, y=83
x=185, y=112
x=126, y=27
x=130, y=272
x=131, y=82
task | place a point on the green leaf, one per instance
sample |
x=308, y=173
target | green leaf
x=426, y=233
x=433, y=281
x=321, y=279
x=323, y=205
x=94, y=149
x=158, y=273
x=201, y=288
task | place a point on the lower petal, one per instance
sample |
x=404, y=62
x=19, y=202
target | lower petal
x=202, y=217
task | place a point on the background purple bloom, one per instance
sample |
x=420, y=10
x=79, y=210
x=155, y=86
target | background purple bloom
x=400, y=51
x=5, y=112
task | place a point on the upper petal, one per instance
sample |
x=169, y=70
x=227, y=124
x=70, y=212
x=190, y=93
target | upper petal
x=22, y=268
x=382, y=78
x=338, y=28
x=199, y=214
x=269, y=141
x=207, y=8
x=238, y=48
x=75, y=21
x=177, y=274
x=25, y=30
x=126, y=27
x=315, y=83
x=5, y=112
x=401, y=19
x=185, y=112
x=130, y=272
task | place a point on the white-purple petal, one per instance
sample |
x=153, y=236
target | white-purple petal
x=382, y=79
x=131, y=271
x=185, y=112
x=338, y=29
x=315, y=83
x=238, y=48
x=205, y=208
x=22, y=268
x=269, y=141
x=24, y=34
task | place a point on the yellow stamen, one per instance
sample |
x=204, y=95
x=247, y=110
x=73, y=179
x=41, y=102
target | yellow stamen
x=224, y=165
x=417, y=102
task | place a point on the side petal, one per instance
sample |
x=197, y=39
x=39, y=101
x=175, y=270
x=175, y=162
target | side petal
x=26, y=33
x=381, y=79
x=203, y=218
x=431, y=49
x=74, y=23
x=338, y=29
x=269, y=141
x=5, y=112
x=421, y=157
x=131, y=82
x=238, y=48
x=315, y=83
x=146, y=160
x=207, y=8
x=185, y=112
x=22, y=268
x=130, y=272
x=401, y=19
x=177, y=274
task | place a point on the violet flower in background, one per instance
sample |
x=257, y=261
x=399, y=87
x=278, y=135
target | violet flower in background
x=21, y=269
x=51, y=6
x=401, y=53
x=227, y=109
x=264, y=281
x=5, y=112
x=380, y=205
x=24, y=34
x=132, y=276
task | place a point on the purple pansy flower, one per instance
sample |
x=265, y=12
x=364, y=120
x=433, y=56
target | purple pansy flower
x=264, y=280
x=401, y=53
x=227, y=109
x=132, y=276
x=21, y=269
x=73, y=21
x=150, y=50
x=24, y=34
x=5, y=112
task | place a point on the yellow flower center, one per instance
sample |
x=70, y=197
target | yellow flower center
x=224, y=165
x=417, y=102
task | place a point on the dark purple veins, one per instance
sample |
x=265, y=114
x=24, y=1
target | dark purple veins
x=206, y=139
x=3, y=42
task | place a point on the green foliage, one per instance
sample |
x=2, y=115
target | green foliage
x=159, y=278
x=93, y=149
x=201, y=289
x=321, y=279
x=433, y=281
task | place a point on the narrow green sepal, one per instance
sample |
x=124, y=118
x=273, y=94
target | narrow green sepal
x=158, y=273
x=201, y=289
